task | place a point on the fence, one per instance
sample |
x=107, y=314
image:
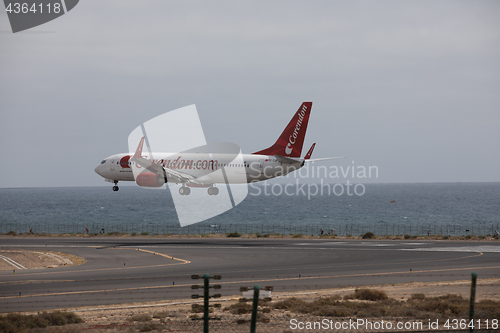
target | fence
x=380, y=229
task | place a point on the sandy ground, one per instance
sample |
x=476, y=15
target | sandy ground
x=37, y=259
x=176, y=316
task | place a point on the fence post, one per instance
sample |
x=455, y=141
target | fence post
x=206, y=286
x=472, y=300
x=256, y=289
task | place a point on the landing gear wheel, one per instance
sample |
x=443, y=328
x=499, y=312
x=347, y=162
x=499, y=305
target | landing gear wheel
x=184, y=190
x=213, y=190
x=115, y=188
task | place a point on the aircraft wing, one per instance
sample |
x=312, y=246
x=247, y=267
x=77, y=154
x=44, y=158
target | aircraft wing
x=180, y=177
x=170, y=174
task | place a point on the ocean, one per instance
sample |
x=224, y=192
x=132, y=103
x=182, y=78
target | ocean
x=439, y=208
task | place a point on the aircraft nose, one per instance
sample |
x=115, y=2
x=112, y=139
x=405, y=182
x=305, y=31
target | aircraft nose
x=97, y=169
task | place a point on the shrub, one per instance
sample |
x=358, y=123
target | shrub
x=289, y=304
x=239, y=308
x=370, y=294
x=335, y=312
x=160, y=315
x=133, y=234
x=445, y=237
x=15, y=322
x=488, y=309
x=297, y=236
x=417, y=296
x=62, y=318
x=140, y=317
x=453, y=304
x=369, y=235
x=233, y=234
x=144, y=233
x=12, y=233
x=407, y=236
x=199, y=309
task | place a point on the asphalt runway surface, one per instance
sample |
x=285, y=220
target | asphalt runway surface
x=126, y=270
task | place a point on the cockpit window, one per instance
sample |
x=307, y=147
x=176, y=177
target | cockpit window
x=103, y=161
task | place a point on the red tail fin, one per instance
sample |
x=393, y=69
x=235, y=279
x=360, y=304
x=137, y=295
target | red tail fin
x=290, y=142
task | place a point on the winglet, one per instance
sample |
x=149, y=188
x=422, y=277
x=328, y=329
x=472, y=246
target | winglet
x=310, y=152
x=138, y=152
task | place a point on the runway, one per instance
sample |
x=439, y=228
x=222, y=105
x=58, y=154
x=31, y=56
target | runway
x=126, y=270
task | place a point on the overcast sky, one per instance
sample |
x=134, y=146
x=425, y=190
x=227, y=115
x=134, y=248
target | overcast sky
x=412, y=87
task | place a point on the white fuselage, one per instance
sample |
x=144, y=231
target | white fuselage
x=203, y=166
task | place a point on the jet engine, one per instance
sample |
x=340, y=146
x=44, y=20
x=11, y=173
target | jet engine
x=150, y=179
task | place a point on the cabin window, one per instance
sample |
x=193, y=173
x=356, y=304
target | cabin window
x=103, y=161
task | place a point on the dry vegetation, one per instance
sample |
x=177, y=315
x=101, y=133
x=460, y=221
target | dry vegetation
x=274, y=316
x=369, y=303
x=368, y=235
x=17, y=323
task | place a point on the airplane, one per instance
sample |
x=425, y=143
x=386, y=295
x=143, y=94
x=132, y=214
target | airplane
x=193, y=169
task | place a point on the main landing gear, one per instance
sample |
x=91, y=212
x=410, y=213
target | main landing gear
x=184, y=190
x=116, y=188
x=213, y=190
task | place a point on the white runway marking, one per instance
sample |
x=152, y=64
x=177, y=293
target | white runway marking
x=12, y=262
x=343, y=243
x=322, y=243
x=480, y=248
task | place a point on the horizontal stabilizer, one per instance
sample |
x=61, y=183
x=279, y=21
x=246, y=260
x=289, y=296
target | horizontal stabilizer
x=324, y=159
